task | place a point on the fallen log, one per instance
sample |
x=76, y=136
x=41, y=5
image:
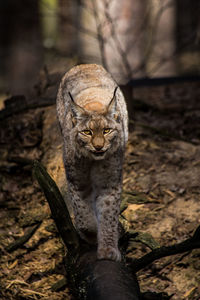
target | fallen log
x=18, y=104
x=108, y=280
x=88, y=277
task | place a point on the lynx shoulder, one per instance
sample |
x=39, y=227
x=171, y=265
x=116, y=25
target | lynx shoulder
x=93, y=118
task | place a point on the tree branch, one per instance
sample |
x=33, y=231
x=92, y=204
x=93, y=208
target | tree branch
x=187, y=245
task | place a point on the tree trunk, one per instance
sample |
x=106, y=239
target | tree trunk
x=68, y=27
x=21, y=45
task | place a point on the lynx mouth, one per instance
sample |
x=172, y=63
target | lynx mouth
x=98, y=153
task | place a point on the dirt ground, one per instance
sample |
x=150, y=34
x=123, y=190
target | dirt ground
x=161, y=185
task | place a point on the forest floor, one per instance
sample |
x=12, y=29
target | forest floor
x=161, y=184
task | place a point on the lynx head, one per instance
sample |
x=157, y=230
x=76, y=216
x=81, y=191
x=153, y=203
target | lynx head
x=97, y=133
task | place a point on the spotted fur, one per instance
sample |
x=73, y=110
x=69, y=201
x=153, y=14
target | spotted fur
x=93, y=119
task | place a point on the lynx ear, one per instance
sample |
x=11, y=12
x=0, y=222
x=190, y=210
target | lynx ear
x=77, y=111
x=112, y=106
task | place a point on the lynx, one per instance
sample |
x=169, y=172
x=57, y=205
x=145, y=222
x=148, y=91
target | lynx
x=93, y=119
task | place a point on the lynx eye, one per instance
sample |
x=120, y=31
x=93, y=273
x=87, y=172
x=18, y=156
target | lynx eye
x=106, y=130
x=87, y=132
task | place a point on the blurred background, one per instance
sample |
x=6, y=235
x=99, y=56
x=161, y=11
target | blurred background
x=132, y=39
x=152, y=49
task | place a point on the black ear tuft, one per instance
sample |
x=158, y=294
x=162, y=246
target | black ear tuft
x=112, y=106
x=70, y=95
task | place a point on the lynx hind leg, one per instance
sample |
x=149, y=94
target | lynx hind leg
x=85, y=221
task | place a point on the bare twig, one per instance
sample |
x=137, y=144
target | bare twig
x=23, y=239
x=187, y=245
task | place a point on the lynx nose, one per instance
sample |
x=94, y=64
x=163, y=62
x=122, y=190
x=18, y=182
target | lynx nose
x=98, y=147
x=98, y=143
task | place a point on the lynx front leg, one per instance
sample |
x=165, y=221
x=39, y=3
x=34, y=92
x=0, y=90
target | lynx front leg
x=85, y=219
x=107, y=207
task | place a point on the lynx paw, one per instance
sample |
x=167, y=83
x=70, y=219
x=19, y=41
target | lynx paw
x=109, y=253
